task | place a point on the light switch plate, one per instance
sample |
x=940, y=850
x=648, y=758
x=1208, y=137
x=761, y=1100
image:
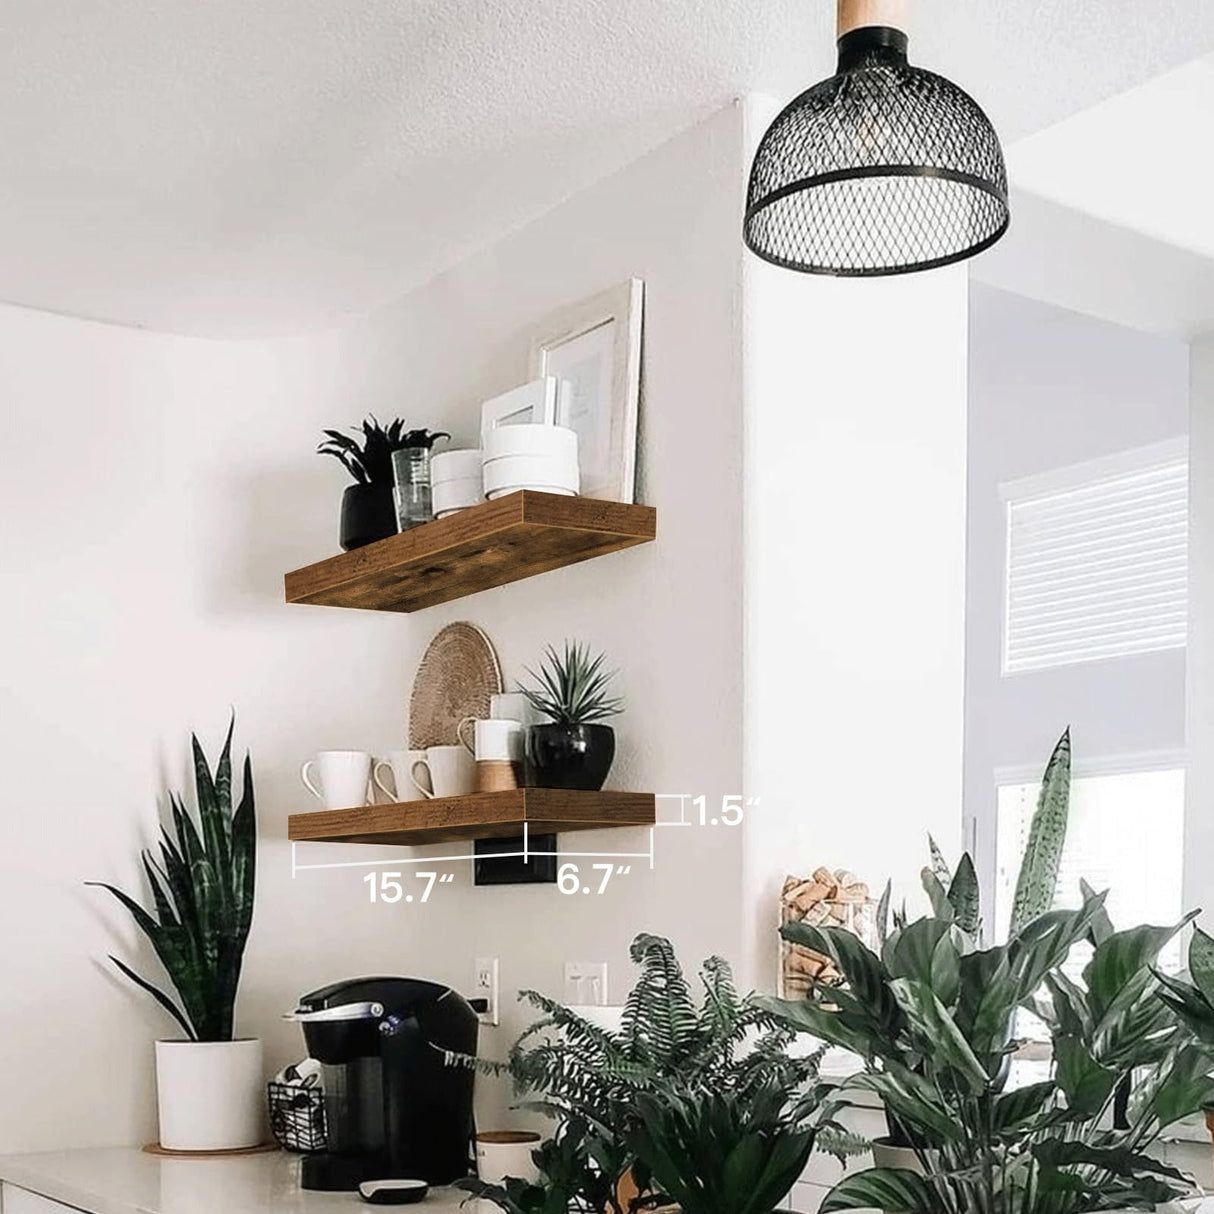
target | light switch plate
x=586, y=983
x=485, y=986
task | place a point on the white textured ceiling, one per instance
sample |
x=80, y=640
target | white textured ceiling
x=253, y=166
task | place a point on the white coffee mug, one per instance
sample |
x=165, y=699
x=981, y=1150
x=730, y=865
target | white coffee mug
x=450, y=769
x=500, y=740
x=345, y=778
x=503, y=1153
x=399, y=764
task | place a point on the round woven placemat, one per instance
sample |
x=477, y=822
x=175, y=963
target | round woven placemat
x=154, y=1148
x=458, y=673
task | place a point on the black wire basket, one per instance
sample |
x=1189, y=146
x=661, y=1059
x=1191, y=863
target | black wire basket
x=297, y=1117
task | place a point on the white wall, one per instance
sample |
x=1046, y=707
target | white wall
x=1050, y=388
x=152, y=493
x=854, y=557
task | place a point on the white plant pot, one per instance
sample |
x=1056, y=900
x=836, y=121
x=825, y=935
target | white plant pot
x=210, y=1094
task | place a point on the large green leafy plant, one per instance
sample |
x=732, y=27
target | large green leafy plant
x=932, y=1011
x=597, y=1085
x=202, y=899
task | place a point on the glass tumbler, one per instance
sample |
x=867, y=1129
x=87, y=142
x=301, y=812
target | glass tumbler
x=411, y=471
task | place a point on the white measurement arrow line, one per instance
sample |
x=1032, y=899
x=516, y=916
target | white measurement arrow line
x=506, y=855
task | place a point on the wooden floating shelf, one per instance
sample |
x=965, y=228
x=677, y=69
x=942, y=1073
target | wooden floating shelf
x=484, y=815
x=484, y=546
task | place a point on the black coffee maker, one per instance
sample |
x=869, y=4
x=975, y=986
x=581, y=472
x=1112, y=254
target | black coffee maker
x=394, y=1108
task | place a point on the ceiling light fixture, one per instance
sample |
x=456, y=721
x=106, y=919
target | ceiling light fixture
x=882, y=169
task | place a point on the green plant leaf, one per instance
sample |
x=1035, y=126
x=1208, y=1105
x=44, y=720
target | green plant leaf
x=1120, y=958
x=942, y=908
x=938, y=1032
x=963, y=895
x=1201, y=963
x=891, y=1189
x=1083, y=1081
x=157, y=994
x=1013, y=1109
x=1037, y=882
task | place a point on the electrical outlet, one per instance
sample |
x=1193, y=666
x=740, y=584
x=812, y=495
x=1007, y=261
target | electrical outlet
x=485, y=986
x=586, y=983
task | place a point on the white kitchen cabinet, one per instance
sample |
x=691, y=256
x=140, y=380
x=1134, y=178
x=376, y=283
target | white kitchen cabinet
x=22, y=1201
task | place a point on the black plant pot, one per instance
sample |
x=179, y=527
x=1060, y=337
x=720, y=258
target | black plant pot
x=368, y=513
x=569, y=756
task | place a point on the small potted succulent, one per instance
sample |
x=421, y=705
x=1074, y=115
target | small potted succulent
x=368, y=507
x=573, y=748
x=210, y=1085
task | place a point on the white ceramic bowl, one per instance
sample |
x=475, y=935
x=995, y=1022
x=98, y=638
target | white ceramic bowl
x=530, y=472
x=447, y=496
x=555, y=490
x=557, y=442
x=455, y=466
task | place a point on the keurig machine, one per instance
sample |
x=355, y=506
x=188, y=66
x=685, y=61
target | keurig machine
x=394, y=1108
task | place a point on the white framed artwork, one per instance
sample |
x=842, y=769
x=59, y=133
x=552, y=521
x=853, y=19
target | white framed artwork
x=594, y=348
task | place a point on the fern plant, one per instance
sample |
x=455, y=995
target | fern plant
x=592, y=1081
x=573, y=687
x=370, y=462
x=202, y=895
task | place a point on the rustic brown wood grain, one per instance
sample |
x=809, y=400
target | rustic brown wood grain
x=477, y=816
x=484, y=546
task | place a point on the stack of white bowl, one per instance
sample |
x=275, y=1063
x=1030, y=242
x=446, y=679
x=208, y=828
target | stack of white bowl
x=530, y=456
x=455, y=481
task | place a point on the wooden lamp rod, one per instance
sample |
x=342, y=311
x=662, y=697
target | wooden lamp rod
x=853, y=14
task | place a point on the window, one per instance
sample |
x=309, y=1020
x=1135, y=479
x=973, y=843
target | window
x=1125, y=834
x=1097, y=560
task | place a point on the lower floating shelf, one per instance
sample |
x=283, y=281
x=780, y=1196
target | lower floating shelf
x=483, y=815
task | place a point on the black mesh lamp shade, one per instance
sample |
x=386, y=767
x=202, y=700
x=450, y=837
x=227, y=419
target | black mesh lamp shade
x=882, y=169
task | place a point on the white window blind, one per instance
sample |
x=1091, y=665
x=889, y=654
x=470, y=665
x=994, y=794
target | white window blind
x=1097, y=562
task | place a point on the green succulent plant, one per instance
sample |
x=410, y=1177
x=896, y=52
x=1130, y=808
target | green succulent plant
x=370, y=462
x=573, y=687
x=202, y=893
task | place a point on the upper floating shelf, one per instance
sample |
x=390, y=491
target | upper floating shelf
x=484, y=546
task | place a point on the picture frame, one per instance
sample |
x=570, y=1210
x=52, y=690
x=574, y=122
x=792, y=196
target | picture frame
x=535, y=403
x=594, y=348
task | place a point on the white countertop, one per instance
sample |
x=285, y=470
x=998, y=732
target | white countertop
x=125, y=1180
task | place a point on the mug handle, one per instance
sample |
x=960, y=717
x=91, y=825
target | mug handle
x=303, y=775
x=459, y=733
x=390, y=793
x=425, y=792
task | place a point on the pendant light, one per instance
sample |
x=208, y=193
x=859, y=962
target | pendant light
x=882, y=169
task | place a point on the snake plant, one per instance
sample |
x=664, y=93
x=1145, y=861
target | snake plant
x=202, y=898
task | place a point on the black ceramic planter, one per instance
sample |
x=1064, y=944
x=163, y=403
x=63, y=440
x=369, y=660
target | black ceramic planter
x=569, y=756
x=368, y=513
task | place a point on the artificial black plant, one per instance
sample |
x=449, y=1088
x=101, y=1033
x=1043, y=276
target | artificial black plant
x=368, y=506
x=572, y=748
x=202, y=899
